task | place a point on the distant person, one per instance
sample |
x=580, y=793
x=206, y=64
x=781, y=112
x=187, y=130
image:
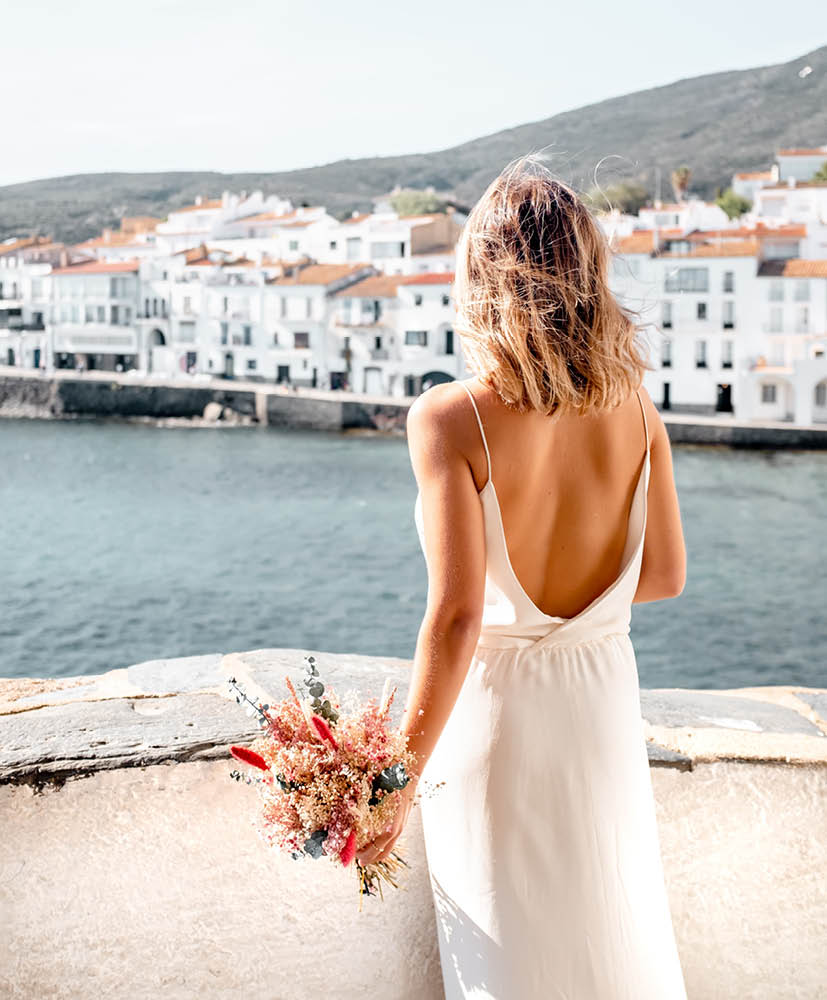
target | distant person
x=524, y=705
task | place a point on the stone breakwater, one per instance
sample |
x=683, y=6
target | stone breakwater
x=197, y=401
x=129, y=863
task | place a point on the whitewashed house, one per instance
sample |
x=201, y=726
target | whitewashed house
x=748, y=183
x=799, y=164
x=92, y=316
x=395, y=244
x=785, y=374
x=397, y=333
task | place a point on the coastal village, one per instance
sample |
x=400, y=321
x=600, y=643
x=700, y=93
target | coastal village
x=250, y=287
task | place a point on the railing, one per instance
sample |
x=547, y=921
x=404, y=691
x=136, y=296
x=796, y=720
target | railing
x=379, y=354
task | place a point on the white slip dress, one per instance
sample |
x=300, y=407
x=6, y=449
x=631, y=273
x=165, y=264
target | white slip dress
x=542, y=842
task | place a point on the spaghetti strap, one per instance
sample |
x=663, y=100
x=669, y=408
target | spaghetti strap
x=645, y=424
x=479, y=421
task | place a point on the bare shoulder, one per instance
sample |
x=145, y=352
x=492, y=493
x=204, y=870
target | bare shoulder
x=438, y=409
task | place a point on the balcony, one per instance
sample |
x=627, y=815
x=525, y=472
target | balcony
x=379, y=354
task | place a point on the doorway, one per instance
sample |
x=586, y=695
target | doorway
x=666, y=402
x=723, y=404
x=229, y=367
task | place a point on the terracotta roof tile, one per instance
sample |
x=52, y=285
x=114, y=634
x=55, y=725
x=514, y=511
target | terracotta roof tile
x=318, y=274
x=376, y=286
x=100, y=267
x=204, y=206
x=721, y=248
x=795, y=267
x=429, y=278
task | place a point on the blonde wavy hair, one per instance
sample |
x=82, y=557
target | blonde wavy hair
x=535, y=315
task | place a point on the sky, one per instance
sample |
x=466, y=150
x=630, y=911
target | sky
x=251, y=85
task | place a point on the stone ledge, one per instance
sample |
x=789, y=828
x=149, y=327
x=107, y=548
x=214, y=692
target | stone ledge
x=181, y=709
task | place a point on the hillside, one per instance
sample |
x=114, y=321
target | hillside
x=716, y=124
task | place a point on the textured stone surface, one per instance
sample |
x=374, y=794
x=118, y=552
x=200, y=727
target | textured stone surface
x=86, y=736
x=677, y=707
x=182, y=709
x=139, y=883
x=148, y=883
x=110, y=394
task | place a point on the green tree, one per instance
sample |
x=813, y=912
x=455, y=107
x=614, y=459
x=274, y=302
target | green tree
x=411, y=201
x=733, y=204
x=821, y=174
x=626, y=196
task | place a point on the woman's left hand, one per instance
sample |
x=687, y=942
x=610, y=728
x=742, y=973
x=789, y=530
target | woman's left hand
x=379, y=849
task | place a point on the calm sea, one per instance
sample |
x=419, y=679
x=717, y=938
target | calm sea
x=125, y=542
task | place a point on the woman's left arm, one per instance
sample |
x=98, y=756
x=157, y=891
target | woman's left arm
x=439, y=433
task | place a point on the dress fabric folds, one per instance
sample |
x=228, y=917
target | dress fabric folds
x=541, y=840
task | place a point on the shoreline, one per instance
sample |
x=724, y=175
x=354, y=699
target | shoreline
x=196, y=402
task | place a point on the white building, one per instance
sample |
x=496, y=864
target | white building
x=92, y=316
x=800, y=164
x=397, y=333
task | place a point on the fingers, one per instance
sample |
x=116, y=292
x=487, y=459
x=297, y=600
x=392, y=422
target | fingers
x=371, y=852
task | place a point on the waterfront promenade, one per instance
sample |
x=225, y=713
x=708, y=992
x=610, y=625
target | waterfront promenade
x=130, y=868
x=65, y=394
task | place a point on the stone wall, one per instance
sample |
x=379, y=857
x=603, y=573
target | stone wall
x=130, y=867
x=98, y=394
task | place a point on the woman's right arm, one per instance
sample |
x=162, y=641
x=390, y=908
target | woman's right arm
x=663, y=569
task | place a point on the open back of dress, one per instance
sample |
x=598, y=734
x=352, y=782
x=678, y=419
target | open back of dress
x=542, y=839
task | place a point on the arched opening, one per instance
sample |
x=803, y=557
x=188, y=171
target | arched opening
x=434, y=378
x=157, y=339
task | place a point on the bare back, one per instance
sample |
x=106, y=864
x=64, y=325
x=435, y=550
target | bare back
x=565, y=489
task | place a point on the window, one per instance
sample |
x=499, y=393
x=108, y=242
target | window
x=776, y=291
x=251, y=364
x=380, y=251
x=293, y=245
x=802, y=291
x=802, y=319
x=146, y=306
x=776, y=319
x=446, y=300
x=687, y=279
x=333, y=244
x=275, y=340
x=283, y=306
x=353, y=247
x=308, y=307
x=225, y=304
x=729, y=281
x=225, y=331
x=726, y=353
x=417, y=300
x=90, y=314
x=248, y=335
x=187, y=304
x=666, y=353
x=701, y=310
x=418, y=338
x=767, y=393
x=700, y=354
x=301, y=340
x=729, y=314
x=449, y=341
x=377, y=343
x=101, y=314
x=666, y=315
x=821, y=394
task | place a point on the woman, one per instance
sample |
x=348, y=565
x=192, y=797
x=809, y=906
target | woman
x=546, y=507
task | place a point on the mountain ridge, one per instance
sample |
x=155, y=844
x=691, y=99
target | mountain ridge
x=715, y=123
